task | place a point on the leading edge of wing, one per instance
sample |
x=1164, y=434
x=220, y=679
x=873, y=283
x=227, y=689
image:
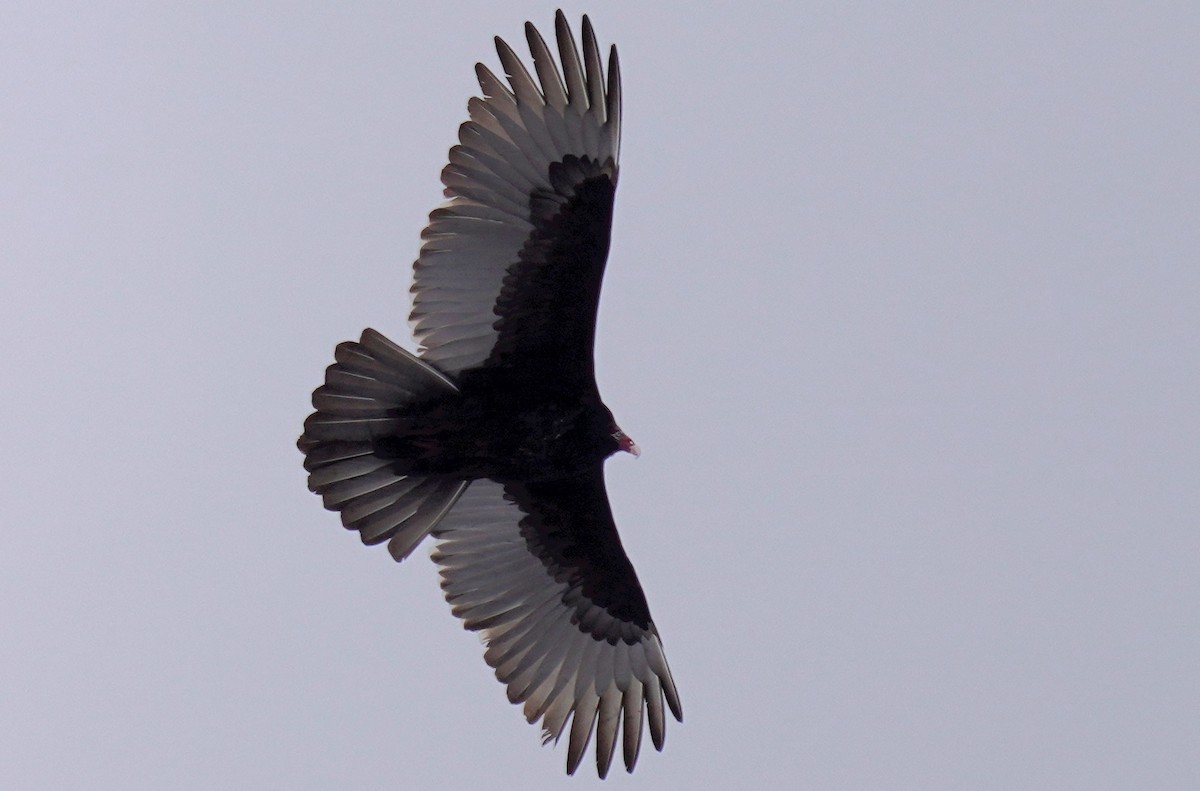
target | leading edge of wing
x=540, y=571
x=526, y=148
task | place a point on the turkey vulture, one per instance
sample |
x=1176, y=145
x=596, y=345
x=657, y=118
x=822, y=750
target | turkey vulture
x=493, y=438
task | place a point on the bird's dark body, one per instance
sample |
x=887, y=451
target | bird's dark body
x=495, y=428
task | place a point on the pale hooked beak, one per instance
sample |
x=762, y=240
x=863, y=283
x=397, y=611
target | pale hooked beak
x=626, y=443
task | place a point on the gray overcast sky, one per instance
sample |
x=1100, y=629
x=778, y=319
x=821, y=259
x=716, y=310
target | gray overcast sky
x=901, y=307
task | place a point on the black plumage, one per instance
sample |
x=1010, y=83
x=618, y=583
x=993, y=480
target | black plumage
x=493, y=439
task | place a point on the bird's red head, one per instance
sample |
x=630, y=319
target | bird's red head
x=626, y=443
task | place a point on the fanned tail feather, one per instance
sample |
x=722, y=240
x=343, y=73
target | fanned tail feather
x=365, y=391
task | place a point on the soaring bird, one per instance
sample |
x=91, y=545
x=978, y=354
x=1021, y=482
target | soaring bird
x=493, y=437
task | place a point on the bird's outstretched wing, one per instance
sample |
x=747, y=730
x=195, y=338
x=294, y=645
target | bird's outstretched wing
x=539, y=569
x=510, y=267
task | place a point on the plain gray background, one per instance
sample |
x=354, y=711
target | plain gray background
x=901, y=307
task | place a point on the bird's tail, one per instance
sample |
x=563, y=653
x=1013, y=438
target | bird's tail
x=365, y=392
